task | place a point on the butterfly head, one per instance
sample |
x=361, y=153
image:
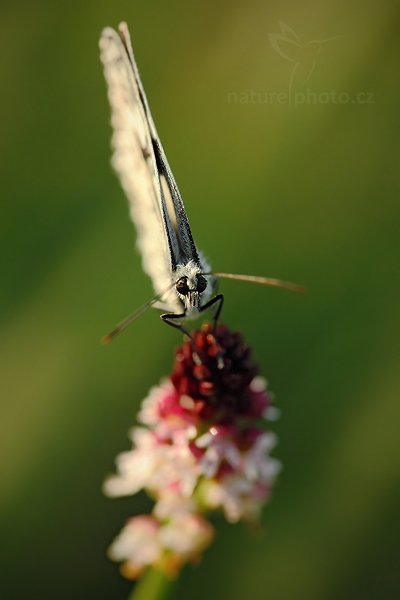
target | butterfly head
x=190, y=285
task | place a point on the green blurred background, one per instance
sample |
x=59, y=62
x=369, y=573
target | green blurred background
x=307, y=193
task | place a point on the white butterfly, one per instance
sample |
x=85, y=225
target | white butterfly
x=181, y=277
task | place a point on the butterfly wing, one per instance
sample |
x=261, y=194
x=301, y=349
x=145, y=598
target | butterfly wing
x=163, y=232
x=173, y=202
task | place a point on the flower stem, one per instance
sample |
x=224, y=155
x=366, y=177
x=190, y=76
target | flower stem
x=154, y=585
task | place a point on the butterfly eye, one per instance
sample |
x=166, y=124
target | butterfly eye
x=201, y=283
x=182, y=286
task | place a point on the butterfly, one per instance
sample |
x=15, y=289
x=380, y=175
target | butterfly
x=183, y=281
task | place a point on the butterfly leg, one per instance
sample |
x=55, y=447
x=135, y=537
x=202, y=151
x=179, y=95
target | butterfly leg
x=169, y=318
x=220, y=299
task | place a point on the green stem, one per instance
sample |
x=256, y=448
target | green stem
x=154, y=585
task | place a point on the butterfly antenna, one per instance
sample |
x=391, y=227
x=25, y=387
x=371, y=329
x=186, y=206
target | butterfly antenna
x=286, y=285
x=106, y=339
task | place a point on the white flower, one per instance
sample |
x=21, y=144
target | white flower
x=186, y=535
x=167, y=413
x=241, y=492
x=146, y=541
x=256, y=463
x=258, y=384
x=135, y=467
x=218, y=449
x=149, y=413
x=237, y=496
x=154, y=466
x=272, y=413
x=170, y=505
x=177, y=469
x=138, y=544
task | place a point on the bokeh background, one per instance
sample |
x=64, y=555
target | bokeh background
x=308, y=193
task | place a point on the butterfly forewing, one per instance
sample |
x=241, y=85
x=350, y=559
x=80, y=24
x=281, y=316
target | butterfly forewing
x=163, y=233
x=173, y=201
x=135, y=163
